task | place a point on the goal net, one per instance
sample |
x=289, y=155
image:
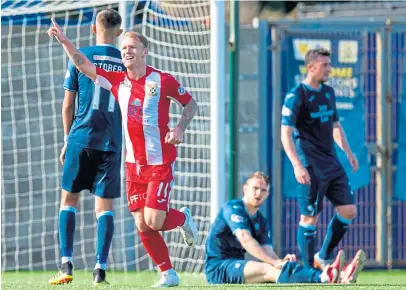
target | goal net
x=32, y=71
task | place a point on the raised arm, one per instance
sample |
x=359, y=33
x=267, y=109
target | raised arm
x=77, y=58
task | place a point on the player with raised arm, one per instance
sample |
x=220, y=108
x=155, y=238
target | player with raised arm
x=91, y=155
x=144, y=95
x=241, y=229
x=309, y=112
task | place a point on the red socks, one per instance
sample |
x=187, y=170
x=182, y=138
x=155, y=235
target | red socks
x=156, y=248
x=174, y=218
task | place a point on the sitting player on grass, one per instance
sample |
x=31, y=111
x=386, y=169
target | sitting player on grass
x=240, y=228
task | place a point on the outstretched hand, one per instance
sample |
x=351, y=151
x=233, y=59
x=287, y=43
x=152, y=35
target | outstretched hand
x=55, y=30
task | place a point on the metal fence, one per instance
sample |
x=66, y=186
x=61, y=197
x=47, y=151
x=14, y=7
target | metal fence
x=380, y=226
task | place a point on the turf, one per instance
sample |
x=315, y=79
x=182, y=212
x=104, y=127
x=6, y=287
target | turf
x=141, y=280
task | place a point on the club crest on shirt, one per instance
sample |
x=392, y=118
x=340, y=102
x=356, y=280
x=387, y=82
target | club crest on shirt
x=126, y=83
x=151, y=89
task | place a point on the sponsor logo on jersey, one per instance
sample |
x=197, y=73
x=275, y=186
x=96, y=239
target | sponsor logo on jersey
x=286, y=111
x=67, y=75
x=135, y=110
x=236, y=218
x=181, y=90
x=324, y=113
x=136, y=102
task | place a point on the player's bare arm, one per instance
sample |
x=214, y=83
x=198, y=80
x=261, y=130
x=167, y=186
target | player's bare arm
x=301, y=173
x=189, y=111
x=68, y=109
x=78, y=59
x=253, y=247
x=270, y=251
x=341, y=140
x=175, y=136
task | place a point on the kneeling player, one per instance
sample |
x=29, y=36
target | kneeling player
x=241, y=228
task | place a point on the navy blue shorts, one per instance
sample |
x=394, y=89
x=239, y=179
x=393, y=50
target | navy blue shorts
x=225, y=271
x=95, y=170
x=336, y=189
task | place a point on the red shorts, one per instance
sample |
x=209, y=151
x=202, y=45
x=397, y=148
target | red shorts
x=149, y=185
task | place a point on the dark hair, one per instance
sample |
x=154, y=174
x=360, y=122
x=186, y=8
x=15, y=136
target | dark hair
x=312, y=54
x=109, y=18
x=259, y=175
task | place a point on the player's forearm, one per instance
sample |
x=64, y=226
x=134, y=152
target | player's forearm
x=67, y=117
x=269, y=250
x=189, y=111
x=289, y=145
x=79, y=60
x=257, y=251
x=340, y=138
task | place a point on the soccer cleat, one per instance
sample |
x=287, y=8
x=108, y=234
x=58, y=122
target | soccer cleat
x=320, y=263
x=169, y=278
x=189, y=230
x=99, y=277
x=332, y=273
x=64, y=276
x=351, y=271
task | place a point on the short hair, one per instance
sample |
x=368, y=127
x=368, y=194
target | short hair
x=138, y=36
x=109, y=18
x=259, y=175
x=313, y=54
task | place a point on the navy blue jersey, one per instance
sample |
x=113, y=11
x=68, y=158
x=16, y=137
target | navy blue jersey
x=97, y=122
x=313, y=113
x=222, y=242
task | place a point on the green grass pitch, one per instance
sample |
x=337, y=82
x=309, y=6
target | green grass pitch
x=395, y=279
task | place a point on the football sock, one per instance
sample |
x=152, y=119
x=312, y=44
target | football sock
x=174, y=219
x=336, y=229
x=156, y=248
x=306, y=236
x=105, y=230
x=67, y=220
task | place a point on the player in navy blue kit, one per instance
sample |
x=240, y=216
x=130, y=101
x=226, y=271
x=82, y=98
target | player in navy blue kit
x=239, y=229
x=309, y=113
x=91, y=155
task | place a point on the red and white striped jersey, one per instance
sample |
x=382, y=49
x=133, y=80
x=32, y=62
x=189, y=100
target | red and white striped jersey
x=144, y=108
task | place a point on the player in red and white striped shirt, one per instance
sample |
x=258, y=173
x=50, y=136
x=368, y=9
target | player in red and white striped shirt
x=144, y=95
